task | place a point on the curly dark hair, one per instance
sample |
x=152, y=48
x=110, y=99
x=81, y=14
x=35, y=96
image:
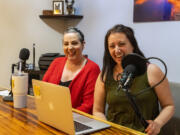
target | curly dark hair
x=108, y=62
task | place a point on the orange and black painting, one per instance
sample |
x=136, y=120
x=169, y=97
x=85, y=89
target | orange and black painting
x=156, y=10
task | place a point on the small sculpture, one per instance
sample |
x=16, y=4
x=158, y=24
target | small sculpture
x=69, y=7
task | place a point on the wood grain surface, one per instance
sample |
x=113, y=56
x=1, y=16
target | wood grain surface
x=25, y=122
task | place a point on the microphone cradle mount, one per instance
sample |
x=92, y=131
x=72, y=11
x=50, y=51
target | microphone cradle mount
x=21, y=66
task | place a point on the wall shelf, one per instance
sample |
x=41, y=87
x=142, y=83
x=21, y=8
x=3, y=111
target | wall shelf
x=60, y=22
x=61, y=16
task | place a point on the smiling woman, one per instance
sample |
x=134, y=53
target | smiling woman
x=73, y=45
x=75, y=71
x=120, y=41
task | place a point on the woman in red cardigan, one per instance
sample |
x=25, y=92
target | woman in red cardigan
x=75, y=71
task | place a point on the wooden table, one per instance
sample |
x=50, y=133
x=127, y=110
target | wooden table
x=24, y=122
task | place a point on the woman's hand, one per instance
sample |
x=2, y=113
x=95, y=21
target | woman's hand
x=153, y=128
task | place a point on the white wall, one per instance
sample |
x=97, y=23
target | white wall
x=160, y=39
x=20, y=26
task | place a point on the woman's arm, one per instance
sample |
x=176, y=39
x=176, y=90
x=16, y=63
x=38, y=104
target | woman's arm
x=165, y=98
x=99, y=99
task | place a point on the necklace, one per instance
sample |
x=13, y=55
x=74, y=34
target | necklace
x=117, y=73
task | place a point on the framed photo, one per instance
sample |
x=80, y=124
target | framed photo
x=58, y=7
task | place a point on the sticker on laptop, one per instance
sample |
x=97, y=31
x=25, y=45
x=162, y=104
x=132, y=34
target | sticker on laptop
x=12, y=84
x=37, y=91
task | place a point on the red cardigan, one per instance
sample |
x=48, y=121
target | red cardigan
x=81, y=87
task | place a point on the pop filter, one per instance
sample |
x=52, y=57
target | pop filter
x=138, y=61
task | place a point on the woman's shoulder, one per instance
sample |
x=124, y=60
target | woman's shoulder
x=154, y=74
x=59, y=59
x=153, y=68
x=91, y=64
x=57, y=62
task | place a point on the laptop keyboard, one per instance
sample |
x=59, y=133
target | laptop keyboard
x=80, y=127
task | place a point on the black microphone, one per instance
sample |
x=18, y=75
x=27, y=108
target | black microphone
x=133, y=65
x=23, y=56
x=127, y=77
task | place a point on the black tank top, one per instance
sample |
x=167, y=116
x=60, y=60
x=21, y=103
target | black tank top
x=66, y=84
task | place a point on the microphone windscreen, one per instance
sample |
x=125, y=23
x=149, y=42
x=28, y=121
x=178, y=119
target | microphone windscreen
x=130, y=69
x=138, y=61
x=24, y=54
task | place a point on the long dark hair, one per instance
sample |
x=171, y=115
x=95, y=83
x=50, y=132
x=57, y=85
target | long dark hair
x=108, y=62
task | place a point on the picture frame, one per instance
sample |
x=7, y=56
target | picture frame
x=58, y=7
x=156, y=10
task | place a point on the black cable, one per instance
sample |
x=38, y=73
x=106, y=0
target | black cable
x=9, y=98
x=151, y=87
x=165, y=74
x=136, y=109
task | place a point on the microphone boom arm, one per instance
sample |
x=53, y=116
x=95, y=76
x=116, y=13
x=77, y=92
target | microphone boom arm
x=136, y=109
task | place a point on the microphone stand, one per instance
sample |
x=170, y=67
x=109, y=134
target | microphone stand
x=125, y=82
x=34, y=56
x=9, y=98
x=125, y=86
x=135, y=108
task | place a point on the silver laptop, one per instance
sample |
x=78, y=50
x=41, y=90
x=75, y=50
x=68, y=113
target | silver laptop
x=53, y=104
